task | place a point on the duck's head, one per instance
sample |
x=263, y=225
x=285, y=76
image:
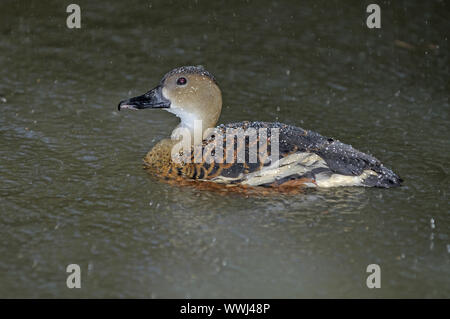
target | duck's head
x=189, y=92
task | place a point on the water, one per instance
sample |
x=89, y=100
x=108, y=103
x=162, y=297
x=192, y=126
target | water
x=72, y=185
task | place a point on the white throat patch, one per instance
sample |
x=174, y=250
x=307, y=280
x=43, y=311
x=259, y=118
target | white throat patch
x=187, y=118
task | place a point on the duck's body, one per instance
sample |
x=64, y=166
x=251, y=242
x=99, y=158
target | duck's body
x=302, y=158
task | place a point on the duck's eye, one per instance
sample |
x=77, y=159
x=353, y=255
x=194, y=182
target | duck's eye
x=181, y=81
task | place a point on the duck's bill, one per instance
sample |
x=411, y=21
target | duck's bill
x=153, y=99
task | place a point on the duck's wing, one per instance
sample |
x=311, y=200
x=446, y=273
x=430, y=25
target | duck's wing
x=302, y=155
x=344, y=164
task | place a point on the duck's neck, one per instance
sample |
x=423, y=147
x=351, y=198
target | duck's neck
x=192, y=123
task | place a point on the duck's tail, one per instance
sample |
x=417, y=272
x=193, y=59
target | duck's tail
x=385, y=178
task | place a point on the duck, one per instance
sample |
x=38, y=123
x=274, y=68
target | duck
x=269, y=155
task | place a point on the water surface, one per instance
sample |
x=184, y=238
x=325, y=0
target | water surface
x=72, y=185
